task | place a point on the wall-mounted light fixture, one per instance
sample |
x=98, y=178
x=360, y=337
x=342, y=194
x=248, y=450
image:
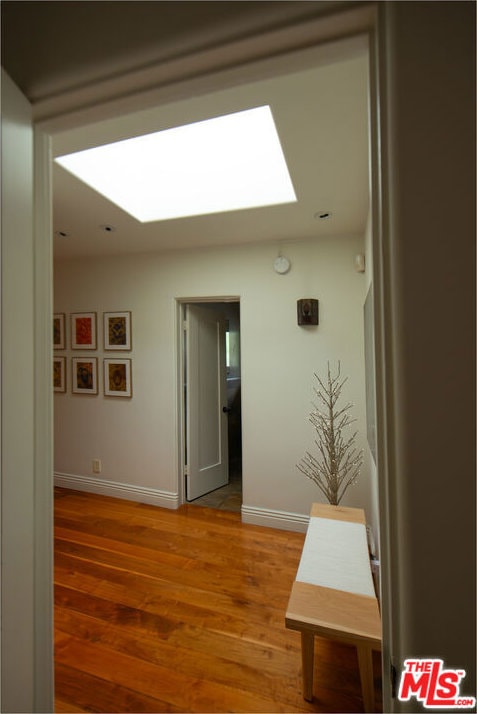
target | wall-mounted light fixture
x=307, y=311
x=359, y=263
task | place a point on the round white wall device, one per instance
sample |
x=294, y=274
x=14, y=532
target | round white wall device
x=281, y=265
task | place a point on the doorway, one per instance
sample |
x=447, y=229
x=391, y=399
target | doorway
x=41, y=368
x=211, y=423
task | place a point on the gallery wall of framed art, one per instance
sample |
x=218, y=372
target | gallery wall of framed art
x=84, y=373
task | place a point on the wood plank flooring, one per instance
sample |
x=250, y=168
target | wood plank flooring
x=181, y=611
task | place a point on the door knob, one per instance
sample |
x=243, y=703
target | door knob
x=226, y=410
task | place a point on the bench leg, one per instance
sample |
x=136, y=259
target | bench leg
x=365, y=660
x=307, y=655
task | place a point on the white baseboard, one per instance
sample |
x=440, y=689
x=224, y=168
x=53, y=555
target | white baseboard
x=275, y=519
x=165, y=499
x=141, y=494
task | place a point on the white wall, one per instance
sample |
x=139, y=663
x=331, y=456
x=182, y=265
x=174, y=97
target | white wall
x=136, y=439
x=17, y=383
x=427, y=261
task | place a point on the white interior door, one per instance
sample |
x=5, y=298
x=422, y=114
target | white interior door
x=207, y=465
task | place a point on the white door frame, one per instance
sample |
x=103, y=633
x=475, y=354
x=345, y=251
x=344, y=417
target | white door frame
x=26, y=423
x=180, y=351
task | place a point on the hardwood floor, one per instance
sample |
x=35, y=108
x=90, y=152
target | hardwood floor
x=181, y=611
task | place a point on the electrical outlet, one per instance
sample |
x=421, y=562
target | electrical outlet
x=96, y=466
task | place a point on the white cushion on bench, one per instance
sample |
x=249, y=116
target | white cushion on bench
x=335, y=555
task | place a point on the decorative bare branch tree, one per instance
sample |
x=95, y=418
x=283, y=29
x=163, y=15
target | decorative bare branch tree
x=340, y=462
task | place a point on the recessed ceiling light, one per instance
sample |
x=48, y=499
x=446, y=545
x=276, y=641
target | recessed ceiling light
x=222, y=164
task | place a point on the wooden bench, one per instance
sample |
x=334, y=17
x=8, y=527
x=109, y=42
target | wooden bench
x=333, y=594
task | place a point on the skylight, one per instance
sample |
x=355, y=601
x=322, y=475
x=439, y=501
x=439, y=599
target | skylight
x=223, y=164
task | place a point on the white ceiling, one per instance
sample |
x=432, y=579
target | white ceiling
x=321, y=115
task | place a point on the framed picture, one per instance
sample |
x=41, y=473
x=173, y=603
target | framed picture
x=59, y=341
x=117, y=378
x=117, y=330
x=84, y=375
x=59, y=374
x=83, y=331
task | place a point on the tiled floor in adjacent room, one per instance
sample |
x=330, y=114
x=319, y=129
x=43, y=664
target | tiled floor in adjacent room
x=227, y=498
